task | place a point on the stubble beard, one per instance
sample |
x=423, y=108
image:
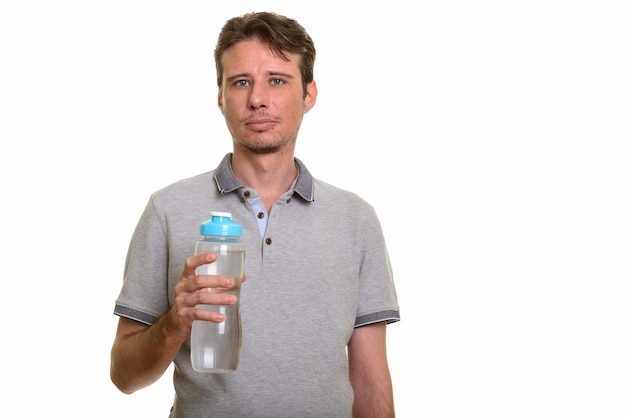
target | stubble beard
x=268, y=148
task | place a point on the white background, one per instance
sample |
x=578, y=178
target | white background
x=489, y=135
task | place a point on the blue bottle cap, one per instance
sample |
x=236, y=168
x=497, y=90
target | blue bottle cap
x=221, y=224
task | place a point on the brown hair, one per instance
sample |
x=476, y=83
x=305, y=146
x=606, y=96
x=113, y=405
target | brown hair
x=281, y=33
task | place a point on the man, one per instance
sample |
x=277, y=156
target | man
x=318, y=289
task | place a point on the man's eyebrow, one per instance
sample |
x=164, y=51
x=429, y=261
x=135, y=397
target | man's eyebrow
x=277, y=73
x=236, y=76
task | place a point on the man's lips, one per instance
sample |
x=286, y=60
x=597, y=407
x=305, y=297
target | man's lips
x=260, y=124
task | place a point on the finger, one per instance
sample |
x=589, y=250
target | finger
x=208, y=315
x=212, y=298
x=195, y=261
x=217, y=283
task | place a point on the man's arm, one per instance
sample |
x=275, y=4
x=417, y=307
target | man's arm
x=142, y=353
x=369, y=372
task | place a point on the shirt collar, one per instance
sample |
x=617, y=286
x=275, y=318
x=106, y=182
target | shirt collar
x=227, y=182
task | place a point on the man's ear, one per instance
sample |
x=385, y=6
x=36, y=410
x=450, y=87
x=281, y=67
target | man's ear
x=311, y=96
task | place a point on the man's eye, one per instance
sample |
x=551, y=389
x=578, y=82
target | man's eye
x=276, y=81
x=241, y=83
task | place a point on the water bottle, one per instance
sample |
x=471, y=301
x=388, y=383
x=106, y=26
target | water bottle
x=215, y=347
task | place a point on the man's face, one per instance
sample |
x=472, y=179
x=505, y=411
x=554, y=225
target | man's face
x=261, y=97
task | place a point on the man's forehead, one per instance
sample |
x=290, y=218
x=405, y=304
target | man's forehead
x=255, y=55
x=255, y=43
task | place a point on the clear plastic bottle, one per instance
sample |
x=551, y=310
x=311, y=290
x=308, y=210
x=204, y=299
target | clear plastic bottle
x=216, y=347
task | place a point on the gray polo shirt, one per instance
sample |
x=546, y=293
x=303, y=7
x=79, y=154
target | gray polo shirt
x=318, y=270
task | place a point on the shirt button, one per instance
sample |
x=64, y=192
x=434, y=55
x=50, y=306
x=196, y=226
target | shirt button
x=246, y=194
x=268, y=241
x=260, y=215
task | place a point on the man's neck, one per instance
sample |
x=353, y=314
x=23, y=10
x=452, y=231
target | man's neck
x=270, y=175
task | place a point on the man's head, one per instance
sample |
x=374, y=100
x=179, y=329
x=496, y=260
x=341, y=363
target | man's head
x=280, y=33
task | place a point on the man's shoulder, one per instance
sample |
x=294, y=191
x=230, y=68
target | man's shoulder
x=328, y=190
x=342, y=201
x=186, y=185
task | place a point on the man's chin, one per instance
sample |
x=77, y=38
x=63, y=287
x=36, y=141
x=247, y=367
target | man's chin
x=262, y=150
